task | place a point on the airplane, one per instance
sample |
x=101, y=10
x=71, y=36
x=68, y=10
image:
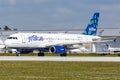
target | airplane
x=112, y=49
x=58, y=43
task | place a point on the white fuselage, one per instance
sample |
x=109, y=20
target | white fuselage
x=46, y=40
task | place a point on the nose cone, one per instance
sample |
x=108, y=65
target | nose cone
x=11, y=43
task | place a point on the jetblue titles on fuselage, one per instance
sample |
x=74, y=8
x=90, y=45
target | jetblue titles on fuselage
x=35, y=38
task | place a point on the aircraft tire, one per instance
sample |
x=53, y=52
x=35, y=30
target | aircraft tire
x=17, y=54
x=64, y=54
x=40, y=54
x=118, y=54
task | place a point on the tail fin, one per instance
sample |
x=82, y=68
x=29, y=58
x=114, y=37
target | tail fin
x=92, y=26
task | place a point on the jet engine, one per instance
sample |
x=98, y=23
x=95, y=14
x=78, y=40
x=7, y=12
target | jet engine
x=58, y=49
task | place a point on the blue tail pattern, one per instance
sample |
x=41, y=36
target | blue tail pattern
x=92, y=26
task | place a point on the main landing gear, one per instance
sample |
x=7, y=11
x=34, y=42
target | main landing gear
x=41, y=53
x=64, y=54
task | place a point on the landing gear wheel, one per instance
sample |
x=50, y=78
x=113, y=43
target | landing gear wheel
x=64, y=54
x=17, y=54
x=119, y=54
x=41, y=54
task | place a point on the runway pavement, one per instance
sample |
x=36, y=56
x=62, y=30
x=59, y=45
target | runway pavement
x=36, y=58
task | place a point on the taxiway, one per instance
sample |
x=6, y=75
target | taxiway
x=36, y=58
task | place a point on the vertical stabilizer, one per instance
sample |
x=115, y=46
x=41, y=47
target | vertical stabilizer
x=92, y=26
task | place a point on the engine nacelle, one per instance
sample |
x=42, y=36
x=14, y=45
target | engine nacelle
x=58, y=49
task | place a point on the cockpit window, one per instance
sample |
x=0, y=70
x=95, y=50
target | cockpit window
x=12, y=38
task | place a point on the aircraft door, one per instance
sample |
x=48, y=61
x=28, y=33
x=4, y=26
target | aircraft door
x=23, y=38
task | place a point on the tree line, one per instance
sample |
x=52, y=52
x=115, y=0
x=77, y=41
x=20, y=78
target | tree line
x=7, y=28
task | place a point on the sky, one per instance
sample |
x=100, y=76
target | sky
x=58, y=14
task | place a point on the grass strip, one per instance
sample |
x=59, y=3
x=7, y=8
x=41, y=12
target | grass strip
x=46, y=70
